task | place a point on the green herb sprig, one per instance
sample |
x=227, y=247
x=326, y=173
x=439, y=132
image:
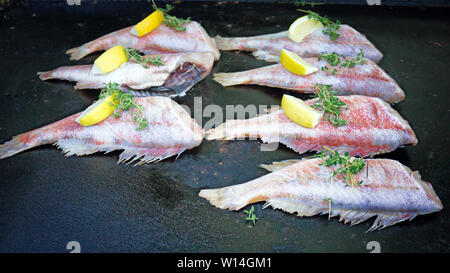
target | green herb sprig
x=349, y=166
x=331, y=27
x=124, y=101
x=172, y=21
x=330, y=104
x=251, y=215
x=335, y=59
x=351, y=62
x=144, y=61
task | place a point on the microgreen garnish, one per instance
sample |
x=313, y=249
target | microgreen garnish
x=351, y=62
x=172, y=21
x=349, y=166
x=330, y=26
x=144, y=61
x=345, y=62
x=251, y=215
x=125, y=101
x=329, y=103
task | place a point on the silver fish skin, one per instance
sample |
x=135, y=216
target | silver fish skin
x=367, y=79
x=373, y=127
x=389, y=190
x=162, y=40
x=133, y=75
x=268, y=47
x=170, y=131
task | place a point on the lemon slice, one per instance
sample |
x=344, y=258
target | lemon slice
x=148, y=24
x=302, y=27
x=98, y=111
x=295, y=64
x=110, y=60
x=300, y=112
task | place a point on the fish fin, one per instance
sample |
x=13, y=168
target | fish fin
x=386, y=220
x=148, y=155
x=265, y=55
x=291, y=207
x=382, y=221
x=77, y=53
x=88, y=85
x=47, y=75
x=225, y=43
x=13, y=147
x=275, y=166
x=228, y=79
x=77, y=147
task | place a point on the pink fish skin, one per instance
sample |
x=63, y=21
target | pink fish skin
x=170, y=131
x=373, y=127
x=389, y=190
x=268, y=47
x=367, y=79
x=136, y=76
x=161, y=40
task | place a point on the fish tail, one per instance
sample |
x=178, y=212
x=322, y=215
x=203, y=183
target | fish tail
x=228, y=79
x=225, y=198
x=15, y=146
x=47, y=75
x=227, y=43
x=77, y=53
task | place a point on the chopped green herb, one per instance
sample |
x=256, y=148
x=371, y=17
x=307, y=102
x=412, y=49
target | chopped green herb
x=125, y=101
x=351, y=62
x=251, y=215
x=329, y=103
x=145, y=62
x=172, y=21
x=331, y=27
x=346, y=62
x=349, y=166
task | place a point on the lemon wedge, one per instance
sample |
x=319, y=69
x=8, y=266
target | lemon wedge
x=300, y=112
x=98, y=111
x=110, y=60
x=302, y=27
x=148, y=24
x=295, y=64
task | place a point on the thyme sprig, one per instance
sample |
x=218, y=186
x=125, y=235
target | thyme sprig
x=251, y=215
x=124, y=101
x=330, y=104
x=331, y=27
x=172, y=21
x=335, y=59
x=144, y=61
x=349, y=166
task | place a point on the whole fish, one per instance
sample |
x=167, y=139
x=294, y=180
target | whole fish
x=389, y=190
x=268, y=47
x=170, y=131
x=373, y=127
x=367, y=79
x=161, y=40
x=178, y=74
